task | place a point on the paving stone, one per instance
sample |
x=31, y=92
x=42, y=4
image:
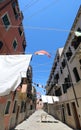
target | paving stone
x=34, y=122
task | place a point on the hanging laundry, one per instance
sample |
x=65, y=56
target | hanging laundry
x=78, y=34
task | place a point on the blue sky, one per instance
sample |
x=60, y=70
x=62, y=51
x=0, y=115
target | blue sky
x=46, y=24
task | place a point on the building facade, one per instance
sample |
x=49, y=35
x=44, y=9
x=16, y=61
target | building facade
x=15, y=107
x=65, y=79
x=12, y=38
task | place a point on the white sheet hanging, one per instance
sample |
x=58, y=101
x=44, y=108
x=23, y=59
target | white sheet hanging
x=77, y=33
x=44, y=98
x=11, y=67
x=49, y=99
x=55, y=98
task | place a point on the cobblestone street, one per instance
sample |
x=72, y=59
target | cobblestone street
x=40, y=120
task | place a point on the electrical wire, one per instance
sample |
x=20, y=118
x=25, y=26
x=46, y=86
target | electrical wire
x=39, y=85
x=31, y=4
x=42, y=28
x=38, y=28
x=46, y=7
x=42, y=9
x=52, y=53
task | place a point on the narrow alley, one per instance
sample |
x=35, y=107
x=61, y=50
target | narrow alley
x=40, y=65
x=40, y=120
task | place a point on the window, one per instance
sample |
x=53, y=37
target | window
x=57, y=58
x=61, y=70
x=15, y=44
x=15, y=9
x=79, y=29
x=63, y=63
x=55, y=64
x=58, y=92
x=76, y=42
x=14, y=109
x=20, y=29
x=69, y=53
x=1, y=44
x=24, y=45
x=22, y=107
x=7, y=107
x=76, y=74
x=57, y=76
x=64, y=88
x=67, y=82
x=68, y=109
x=6, y=21
x=80, y=61
x=31, y=107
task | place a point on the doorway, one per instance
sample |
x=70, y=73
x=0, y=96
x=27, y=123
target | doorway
x=63, y=113
x=76, y=118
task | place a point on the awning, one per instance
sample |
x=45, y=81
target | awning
x=11, y=69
